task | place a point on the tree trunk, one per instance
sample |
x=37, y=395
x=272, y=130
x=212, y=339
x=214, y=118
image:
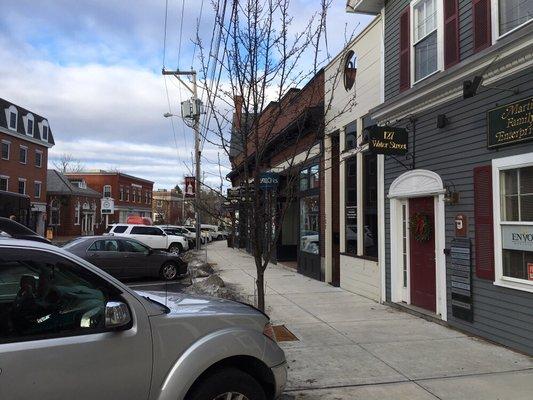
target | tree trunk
x=260, y=283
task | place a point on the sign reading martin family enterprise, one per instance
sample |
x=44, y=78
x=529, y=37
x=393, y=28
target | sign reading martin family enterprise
x=509, y=124
x=387, y=140
x=517, y=237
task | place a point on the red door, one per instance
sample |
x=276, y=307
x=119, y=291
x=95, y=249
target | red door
x=422, y=258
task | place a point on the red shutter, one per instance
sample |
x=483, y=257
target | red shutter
x=405, y=46
x=451, y=33
x=481, y=23
x=484, y=222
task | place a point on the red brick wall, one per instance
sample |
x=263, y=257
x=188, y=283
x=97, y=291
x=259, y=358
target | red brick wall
x=67, y=220
x=15, y=170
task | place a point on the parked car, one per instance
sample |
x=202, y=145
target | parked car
x=208, y=234
x=125, y=257
x=203, y=235
x=67, y=327
x=16, y=230
x=180, y=231
x=151, y=236
x=216, y=233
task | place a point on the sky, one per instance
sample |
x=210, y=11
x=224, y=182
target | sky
x=93, y=69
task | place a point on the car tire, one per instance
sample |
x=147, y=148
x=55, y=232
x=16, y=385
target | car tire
x=220, y=384
x=175, y=248
x=169, y=271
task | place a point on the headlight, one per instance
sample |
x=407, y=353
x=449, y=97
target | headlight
x=268, y=331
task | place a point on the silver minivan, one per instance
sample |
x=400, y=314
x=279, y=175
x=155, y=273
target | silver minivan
x=69, y=330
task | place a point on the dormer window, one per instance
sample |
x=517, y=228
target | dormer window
x=12, y=117
x=45, y=129
x=30, y=126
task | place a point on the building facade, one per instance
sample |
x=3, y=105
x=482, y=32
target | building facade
x=25, y=138
x=354, y=176
x=168, y=207
x=73, y=208
x=123, y=195
x=458, y=77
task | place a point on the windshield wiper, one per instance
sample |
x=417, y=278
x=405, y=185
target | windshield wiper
x=167, y=310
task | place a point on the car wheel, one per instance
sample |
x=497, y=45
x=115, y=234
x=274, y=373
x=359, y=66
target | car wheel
x=175, y=248
x=169, y=271
x=227, y=384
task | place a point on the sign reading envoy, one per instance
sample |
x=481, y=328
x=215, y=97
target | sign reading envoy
x=512, y=123
x=517, y=237
x=387, y=140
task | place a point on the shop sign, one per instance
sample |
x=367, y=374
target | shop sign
x=351, y=212
x=530, y=271
x=510, y=124
x=517, y=237
x=107, y=206
x=190, y=186
x=461, y=279
x=268, y=180
x=387, y=140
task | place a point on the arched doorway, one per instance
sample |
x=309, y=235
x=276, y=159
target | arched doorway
x=417, y=238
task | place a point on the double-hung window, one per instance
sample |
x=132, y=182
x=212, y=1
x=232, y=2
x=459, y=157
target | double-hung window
x=425, y=47
x=6, y=147
x=38, y=158
x=513, y=186
x=513, y=13
x=23, y=154
x=107, y=191
x=37, y=188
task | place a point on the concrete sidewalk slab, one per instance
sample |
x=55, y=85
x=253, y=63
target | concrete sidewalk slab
x=506, y=386
x=319, y=367
x=422, y=359
x=354, y=312
x=342, y=297
x=389, y=391
x=313, y=335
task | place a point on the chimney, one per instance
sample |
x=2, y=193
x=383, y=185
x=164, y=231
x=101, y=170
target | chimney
x=238, y=101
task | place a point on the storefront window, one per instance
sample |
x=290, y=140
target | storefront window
x=351, y=136
x=370, y=206
x=351, y=205
x=314, y=177
x=516, y=194
x=304, y=179
x=309, y=224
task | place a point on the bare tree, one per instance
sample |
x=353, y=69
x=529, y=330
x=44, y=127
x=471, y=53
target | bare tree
x=255, y=113
x=67, y=163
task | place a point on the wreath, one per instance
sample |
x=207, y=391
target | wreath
x=420, y=226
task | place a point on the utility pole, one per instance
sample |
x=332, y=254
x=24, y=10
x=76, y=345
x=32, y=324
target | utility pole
x=197, y=154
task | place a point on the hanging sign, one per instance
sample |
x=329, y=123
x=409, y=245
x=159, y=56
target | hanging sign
x=190, y=186
x=268, y=180
x=387, y=140
x=461, y=279
x=530, y=271
x=510, y=124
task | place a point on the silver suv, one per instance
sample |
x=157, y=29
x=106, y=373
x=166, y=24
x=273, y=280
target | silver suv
x=69, y=330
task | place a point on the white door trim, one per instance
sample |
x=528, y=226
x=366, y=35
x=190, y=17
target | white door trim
x=418, y=183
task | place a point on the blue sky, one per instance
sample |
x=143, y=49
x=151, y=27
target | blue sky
x=93, y=68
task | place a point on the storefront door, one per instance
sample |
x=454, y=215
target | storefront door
x=422, y=254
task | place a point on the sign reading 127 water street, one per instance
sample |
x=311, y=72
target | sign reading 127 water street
x=387, y=140
x=509, y=124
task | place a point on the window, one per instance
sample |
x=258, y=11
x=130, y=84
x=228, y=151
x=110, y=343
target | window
x=13, y=116
x=104, y=245
x=350, y=196
x=513, y=13
x=6, y=147
x=425, y=38
x=45, y=131
x=310, y=224
x=23, y=154
x=38, y=158
x=134, y=247
x=37, y=189
x=351, y=136
x=46, y=295
x=370, y=206
x=147, y=197
x=120, y=229
x=310, y=178
x=30, y=127
x=4, y=183
x=22, y=186
x=133, y=195
x=146, y=230
x=107, y=191
x=121, y=193
x=513, y=184
x=77, y=214
x=127, y=194
x=54, y=212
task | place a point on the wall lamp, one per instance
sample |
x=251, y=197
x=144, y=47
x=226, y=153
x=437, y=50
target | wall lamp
x=451, y=195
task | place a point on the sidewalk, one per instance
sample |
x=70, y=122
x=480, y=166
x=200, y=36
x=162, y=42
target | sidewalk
x=353, y=348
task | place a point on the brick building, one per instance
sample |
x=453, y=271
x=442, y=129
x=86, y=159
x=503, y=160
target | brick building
x=25, y=138
x=168, y=207
x=123, y=195
x=73, y=208
x=290, y=138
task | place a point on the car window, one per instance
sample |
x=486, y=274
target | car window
x=133, y=247
x=146, y=230
x=120, y=229
x=104, y=245
x=44, y=295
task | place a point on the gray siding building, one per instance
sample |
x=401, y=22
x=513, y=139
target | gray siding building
x=458, y=76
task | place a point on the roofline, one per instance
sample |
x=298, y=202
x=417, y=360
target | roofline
x=107, y=173
x=26, y=137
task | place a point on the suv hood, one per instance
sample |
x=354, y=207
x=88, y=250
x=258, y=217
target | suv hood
x=184, y=303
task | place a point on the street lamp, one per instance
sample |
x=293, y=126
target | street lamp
x=167, y=115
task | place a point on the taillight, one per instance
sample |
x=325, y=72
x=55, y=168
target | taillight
x=269, y=331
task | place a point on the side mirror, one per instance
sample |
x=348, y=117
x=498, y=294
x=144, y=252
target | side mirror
x=117, y=315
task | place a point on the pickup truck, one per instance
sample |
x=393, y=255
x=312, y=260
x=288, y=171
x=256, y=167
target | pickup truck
x=70, y=330
x=152, y=236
